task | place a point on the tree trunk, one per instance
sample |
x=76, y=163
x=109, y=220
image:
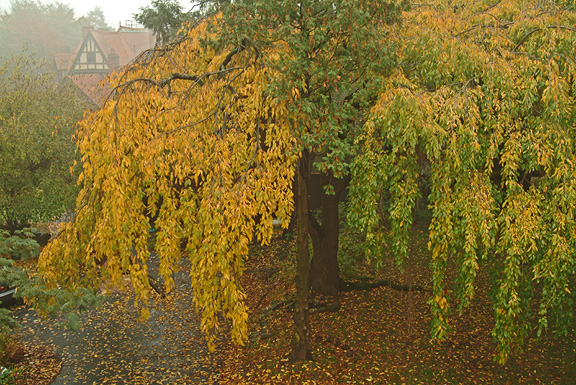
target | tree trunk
x=301, y=338
x=325, y=271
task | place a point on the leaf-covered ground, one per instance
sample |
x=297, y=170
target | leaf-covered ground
x=382, y=335
x=34, y=362
x=31, y=360
x=115, y=347
x=378, y=336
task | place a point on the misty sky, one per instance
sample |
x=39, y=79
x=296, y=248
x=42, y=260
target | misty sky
x=115, y=10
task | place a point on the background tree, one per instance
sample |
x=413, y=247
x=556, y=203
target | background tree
x=43, y=30
x=483, y=98
x=164, y=17
x=37, y=121
x=95, y=18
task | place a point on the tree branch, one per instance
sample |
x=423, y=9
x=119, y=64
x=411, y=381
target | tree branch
x=490, y=7
x=465, y=86
x=198, y=79
x=243, y=45
x=523, y=40
x=562, y=27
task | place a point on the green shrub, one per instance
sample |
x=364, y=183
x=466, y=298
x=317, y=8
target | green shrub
x=8, y=348
x=21, y=245
x=5, y=376
x=7, y=345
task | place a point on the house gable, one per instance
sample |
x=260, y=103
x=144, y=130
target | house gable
x=90, y=58
x=100, y=54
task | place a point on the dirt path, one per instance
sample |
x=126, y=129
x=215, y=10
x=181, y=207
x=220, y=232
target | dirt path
x=114, y=347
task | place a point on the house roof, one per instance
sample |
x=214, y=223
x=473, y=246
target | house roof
x=100, y=53
x=94, y=86
x=127, y=44
x=63, y=61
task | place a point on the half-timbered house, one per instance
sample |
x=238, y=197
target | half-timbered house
x=100, y=53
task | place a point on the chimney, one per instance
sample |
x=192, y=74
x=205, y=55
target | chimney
x=113, y=60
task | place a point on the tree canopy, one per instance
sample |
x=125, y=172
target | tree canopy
x=209, y=132
x=215, y=148
x=201, y=157
x=482, y=105
x=94, y=18
x=164, y=17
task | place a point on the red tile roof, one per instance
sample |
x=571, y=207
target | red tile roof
x=63, y=61
x=126, y=43
x=93, y=86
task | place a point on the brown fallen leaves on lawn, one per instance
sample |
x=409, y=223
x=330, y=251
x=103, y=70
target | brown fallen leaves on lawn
x=38, y=364
x=382, y=336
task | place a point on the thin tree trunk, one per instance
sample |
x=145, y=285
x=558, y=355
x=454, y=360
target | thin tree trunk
x=301, y=338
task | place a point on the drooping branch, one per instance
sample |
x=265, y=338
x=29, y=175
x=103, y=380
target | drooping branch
x=523, y=40
x=499, y=25
x=490, y=7
x=472, y=80
x=562, y=27
x=198, y=79
x=245, y=43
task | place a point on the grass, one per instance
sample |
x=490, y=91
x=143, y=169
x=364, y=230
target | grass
x=382, y=336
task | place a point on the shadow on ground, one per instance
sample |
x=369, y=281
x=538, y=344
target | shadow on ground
x=115, y=347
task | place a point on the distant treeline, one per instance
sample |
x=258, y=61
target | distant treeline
x=44, y=29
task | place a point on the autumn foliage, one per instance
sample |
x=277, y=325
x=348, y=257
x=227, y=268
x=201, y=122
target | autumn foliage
x=482, y=109
x=207, y=154
x=474, y=101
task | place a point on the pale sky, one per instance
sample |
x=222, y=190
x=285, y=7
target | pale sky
x=115, y=10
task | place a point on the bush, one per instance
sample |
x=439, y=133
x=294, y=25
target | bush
x=8, y=346
x=21, y=245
